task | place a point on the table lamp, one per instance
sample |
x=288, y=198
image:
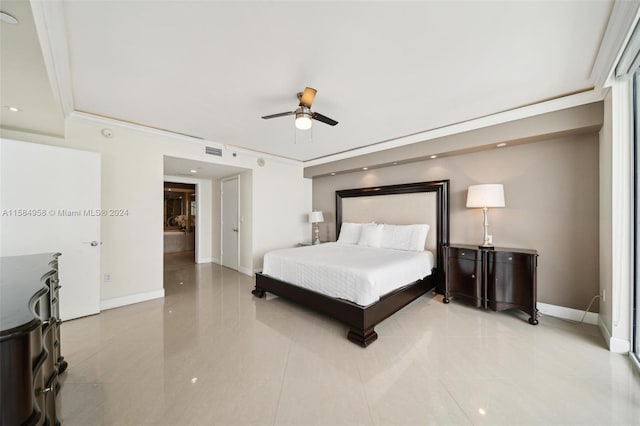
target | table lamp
x=485, y=196
x=315, y=218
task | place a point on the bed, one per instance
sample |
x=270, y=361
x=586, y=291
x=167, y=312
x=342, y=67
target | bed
x=404, y=204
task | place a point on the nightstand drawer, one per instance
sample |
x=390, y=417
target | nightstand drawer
x=462, y=253
x=510, y=258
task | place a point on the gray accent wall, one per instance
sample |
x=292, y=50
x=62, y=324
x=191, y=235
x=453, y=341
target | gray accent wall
x=551, y=193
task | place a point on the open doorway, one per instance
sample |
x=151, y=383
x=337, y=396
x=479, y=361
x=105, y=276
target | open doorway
x=180, y=221
x=207, y=178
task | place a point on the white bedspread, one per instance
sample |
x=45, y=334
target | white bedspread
x=355, y=273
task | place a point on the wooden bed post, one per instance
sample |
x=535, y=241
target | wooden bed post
x=362, y=337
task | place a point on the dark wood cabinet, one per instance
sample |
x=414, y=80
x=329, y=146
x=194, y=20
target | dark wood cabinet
x=497, y=279
x=30, y=358
x=464, y=275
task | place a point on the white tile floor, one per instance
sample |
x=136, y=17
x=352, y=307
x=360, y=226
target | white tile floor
x=210, y=353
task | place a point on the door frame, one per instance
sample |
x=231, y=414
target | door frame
x=199, y=213
x=222, y=181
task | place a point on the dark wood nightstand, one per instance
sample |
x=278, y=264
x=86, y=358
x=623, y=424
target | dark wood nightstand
x=497, y=279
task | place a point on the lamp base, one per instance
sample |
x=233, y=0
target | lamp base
x=487, y=246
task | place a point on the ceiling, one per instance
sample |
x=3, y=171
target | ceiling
x=182, y=167
x=384, y=70
x=24, y=82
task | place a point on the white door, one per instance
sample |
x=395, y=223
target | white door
x=50, y=202
x=230, y=229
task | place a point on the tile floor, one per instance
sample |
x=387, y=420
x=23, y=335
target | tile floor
x=210, y=353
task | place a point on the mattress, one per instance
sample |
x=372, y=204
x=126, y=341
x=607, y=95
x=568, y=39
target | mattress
x=355, y=273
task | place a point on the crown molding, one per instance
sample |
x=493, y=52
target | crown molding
x=264, y=155
x=106, y=121
x=50, y=25
x=112, y=122
x=570, y=101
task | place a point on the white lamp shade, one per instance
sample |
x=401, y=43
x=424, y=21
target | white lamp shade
x=487, y=195
x=315, y=217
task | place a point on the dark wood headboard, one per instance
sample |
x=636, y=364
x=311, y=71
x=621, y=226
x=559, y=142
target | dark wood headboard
x=441, y=190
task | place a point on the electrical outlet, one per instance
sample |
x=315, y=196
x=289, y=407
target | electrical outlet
x=603, y=295
x=107, y=277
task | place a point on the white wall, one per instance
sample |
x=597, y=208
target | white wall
x=245, y=263
x=216, y=218
x=132, y=178
x=605, y=228
x=283, y=191
x=615, y=211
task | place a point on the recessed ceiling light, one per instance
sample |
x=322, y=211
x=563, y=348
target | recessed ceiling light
x=12, y=108
x=365, y=168
x=433, y=156
x=501, y=144
x=394, y=163
x=333, y=174
x=6, y=18
x=193, y=171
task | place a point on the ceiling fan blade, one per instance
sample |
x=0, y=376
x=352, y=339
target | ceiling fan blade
x=307, y=97
x=280, y=114
x=324, y=119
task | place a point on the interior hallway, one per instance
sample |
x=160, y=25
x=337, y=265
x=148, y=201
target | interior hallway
x=210, y=353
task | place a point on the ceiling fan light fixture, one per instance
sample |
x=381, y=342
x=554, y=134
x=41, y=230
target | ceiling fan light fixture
x=303, y=120
x=303, y=113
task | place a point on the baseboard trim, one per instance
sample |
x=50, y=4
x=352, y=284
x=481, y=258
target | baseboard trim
x=245, y=270
x=606, y=334
x=619, y=346
x=567, y=313
x=205, y=260
x=616, y=345
x=216, y=260
x=116, y=302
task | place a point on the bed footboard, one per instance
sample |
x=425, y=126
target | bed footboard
x=361, y=320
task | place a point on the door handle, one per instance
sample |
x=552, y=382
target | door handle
x=93, y=243
x=235, y=229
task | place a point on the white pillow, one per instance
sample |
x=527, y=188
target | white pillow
x=404, y=237
x=396, y=237
x=350, y=233
x=371, y=235
x=418, y=237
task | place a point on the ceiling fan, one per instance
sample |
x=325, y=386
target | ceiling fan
x=303, y=113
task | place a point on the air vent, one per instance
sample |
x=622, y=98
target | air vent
x=213, y=151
